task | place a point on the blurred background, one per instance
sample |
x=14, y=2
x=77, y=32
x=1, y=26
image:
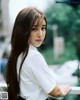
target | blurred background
x=61, y=48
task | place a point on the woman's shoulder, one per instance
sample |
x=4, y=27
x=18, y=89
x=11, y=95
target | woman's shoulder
x=32, y=53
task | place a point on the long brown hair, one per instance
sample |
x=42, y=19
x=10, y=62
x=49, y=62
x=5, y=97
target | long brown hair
x=19, y=44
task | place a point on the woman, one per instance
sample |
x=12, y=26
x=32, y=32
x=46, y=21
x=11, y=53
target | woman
x=27, y=73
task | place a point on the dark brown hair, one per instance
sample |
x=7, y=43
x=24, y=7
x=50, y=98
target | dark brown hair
x=19, y=44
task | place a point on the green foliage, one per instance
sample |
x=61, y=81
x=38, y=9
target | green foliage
x=67, y=19
x=69, y=54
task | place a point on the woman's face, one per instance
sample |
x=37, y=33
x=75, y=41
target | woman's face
x=38, y=34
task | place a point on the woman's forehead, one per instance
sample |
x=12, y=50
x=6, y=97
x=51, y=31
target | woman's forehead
x=40, y=21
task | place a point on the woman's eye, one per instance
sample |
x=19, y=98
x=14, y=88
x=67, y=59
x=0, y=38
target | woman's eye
x=34, y=29
x=43, y=28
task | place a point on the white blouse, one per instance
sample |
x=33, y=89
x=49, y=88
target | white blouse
x=36, y=77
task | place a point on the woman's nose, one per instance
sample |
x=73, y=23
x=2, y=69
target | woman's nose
x=39, y=33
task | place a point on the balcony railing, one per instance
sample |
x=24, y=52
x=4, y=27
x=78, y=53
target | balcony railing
x=4, y=93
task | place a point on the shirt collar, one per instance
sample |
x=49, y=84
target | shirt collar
x=32, y=47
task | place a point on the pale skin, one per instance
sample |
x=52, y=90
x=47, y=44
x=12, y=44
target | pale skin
x=38, y=34
x=36, y=39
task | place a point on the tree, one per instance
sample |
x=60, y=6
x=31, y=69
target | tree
x=67, y=18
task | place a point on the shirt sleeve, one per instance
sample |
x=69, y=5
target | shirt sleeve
x=42, y=73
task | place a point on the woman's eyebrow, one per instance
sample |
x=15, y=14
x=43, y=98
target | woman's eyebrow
x=39, y=25
x=43, y=25
x=35, y=25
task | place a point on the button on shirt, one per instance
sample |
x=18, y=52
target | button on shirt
x=36, y=78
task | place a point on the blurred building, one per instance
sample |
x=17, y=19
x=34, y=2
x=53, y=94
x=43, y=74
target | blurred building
x=4, y=18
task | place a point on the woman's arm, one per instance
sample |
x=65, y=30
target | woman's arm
x=60, y=91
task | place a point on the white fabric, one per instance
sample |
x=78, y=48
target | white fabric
x=36, y=78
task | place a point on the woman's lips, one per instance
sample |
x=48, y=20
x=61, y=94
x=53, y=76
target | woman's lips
x=39, y=40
